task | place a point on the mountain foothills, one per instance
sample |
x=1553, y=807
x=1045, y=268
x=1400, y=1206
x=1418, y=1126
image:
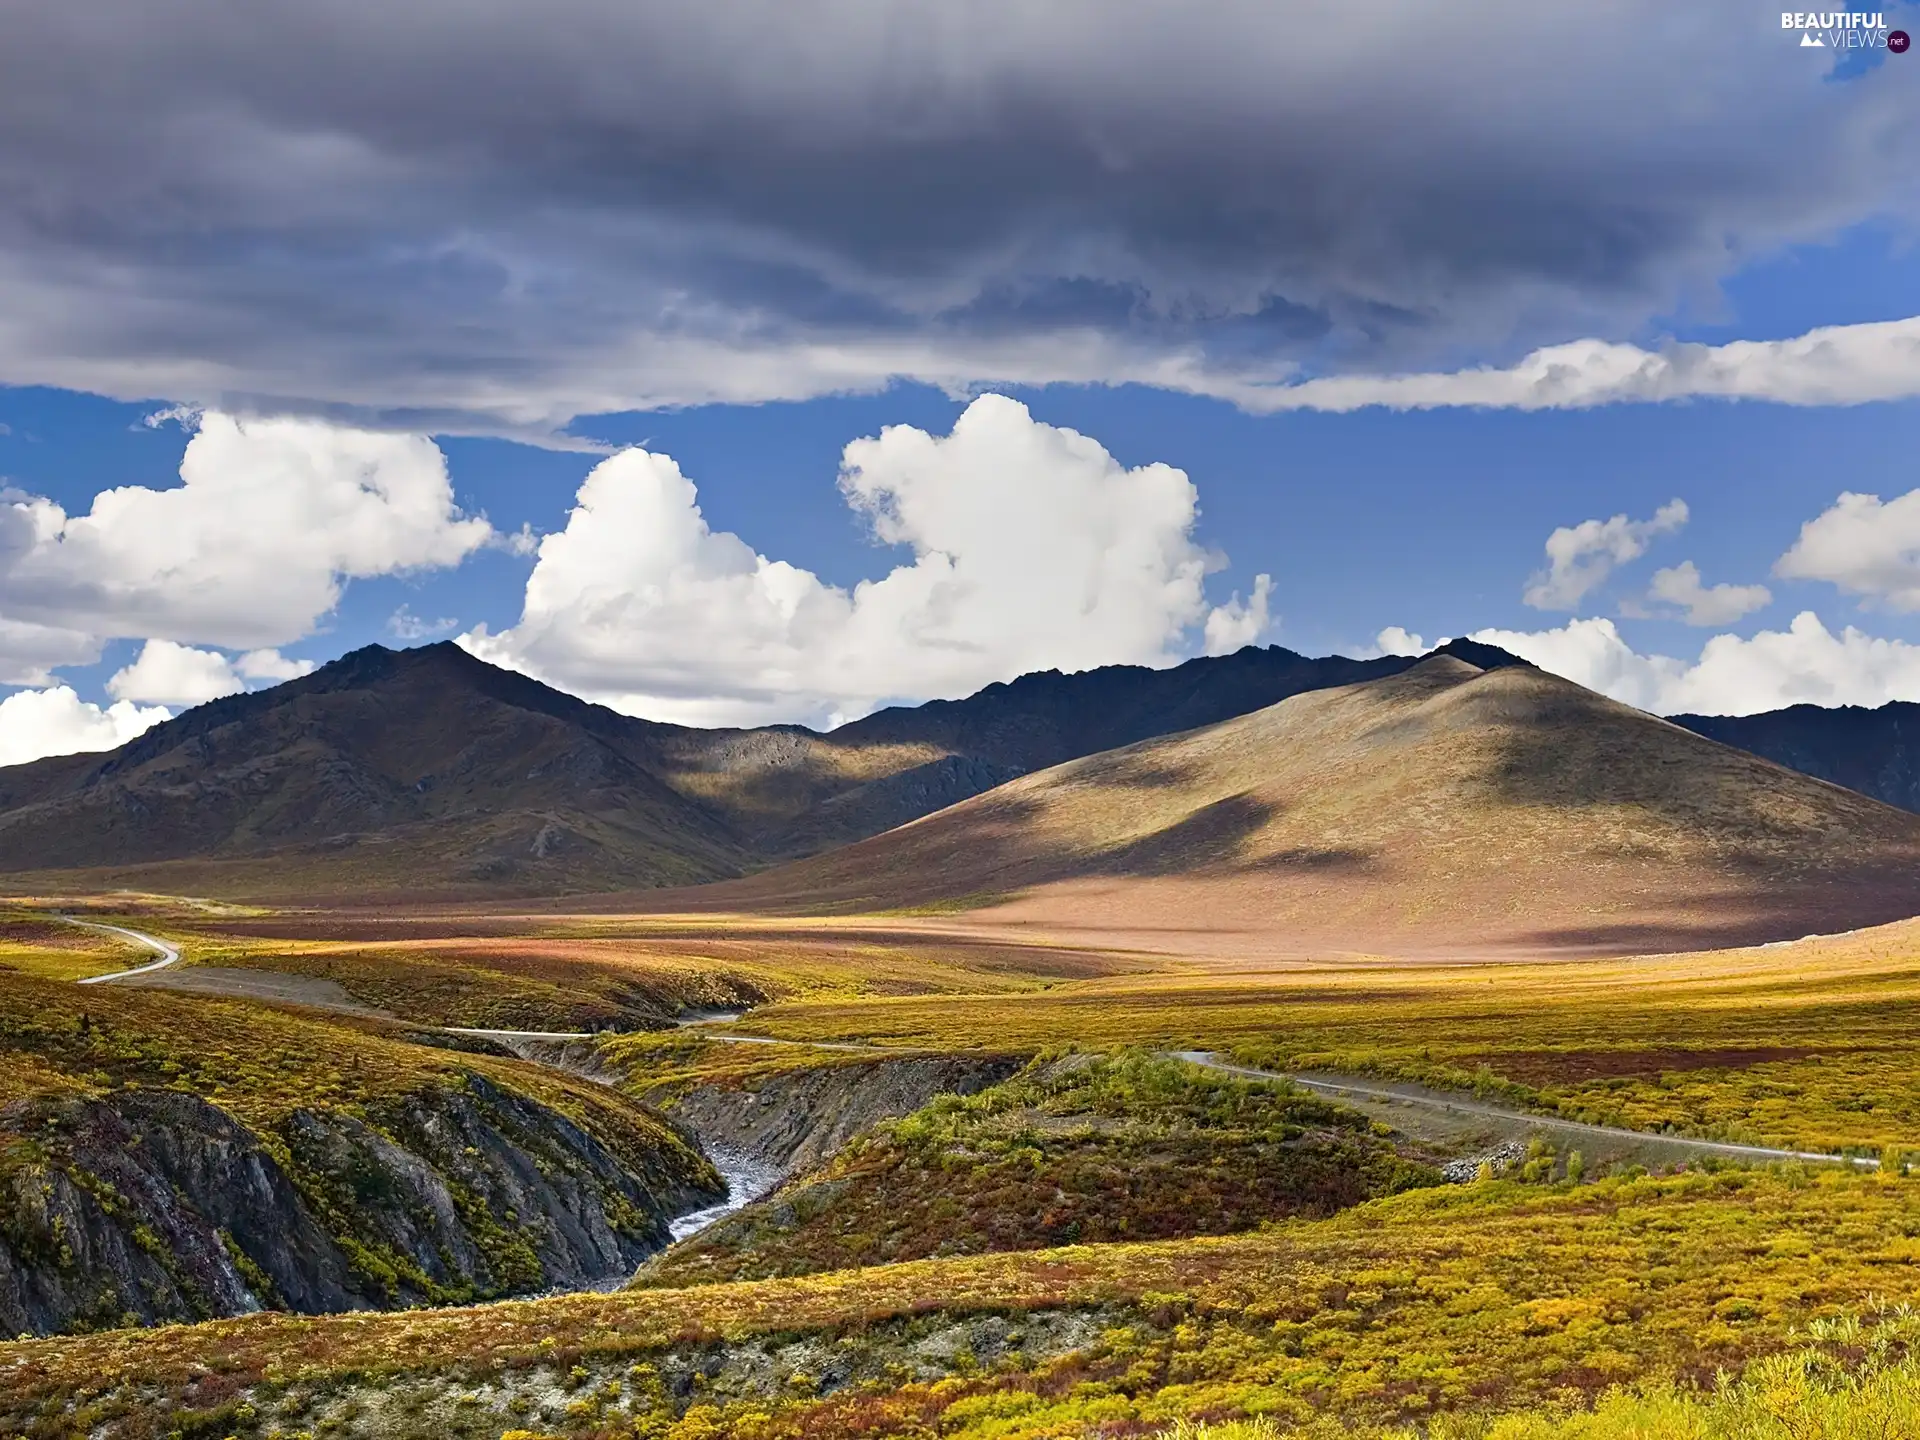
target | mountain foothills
x=1443, y=809
x=428, y=770
x=987, y=1016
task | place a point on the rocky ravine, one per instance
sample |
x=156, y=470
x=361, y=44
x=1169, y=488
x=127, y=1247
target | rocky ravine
x=796, y=1119
x=155, y=1205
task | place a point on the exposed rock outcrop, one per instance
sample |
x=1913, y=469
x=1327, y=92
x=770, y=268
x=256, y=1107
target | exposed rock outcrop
x=154, y=1205
x=795, y=1119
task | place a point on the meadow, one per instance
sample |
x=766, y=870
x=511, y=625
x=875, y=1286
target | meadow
x=601, y=973
x=1801, y=1046
x=1109, y=1245
x=31, y=943
x=1489, y=1298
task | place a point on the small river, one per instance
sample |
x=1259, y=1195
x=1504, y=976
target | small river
x=747, y=1180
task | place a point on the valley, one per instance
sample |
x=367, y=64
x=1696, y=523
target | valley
x=1453, y=1049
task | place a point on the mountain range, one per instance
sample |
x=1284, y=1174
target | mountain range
x=427, y=771
x=1442, y=810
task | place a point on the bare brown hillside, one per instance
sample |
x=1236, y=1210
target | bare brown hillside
x=1443, y=810
x=430, y=773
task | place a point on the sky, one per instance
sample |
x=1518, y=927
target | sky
x=733, y=365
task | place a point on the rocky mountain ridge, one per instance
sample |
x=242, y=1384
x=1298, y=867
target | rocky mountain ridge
x=430, y=770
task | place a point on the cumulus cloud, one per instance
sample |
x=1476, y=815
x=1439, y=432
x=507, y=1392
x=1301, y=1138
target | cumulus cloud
x=1398, y=640
x=403, y=624
x=1700, y=604
x=29, y=653
x=167, y=673
x=1239, y=623
x=589, y=206
x=1833, y=365
x=1032, y=547
x=56, y=721
x=250, y=550
x=1580, y=557
x=1804, y=664
x=1863, y=545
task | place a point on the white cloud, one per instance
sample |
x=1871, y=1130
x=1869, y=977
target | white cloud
x=175, y=675
x=403, y=624
x=1580, y=557
x=29, y=652
x=518, y=542
x=1398, y=640
x=1863, y=545
x=167, y=673
x=1236, y=624
x=271, y=665
x=1032, y=548
x=1833, y=365
x=250, y=550
x=1680, y=586
x=1803, y=664
x=35, y=723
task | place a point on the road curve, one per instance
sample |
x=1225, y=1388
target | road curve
x=1207, y=1060
x=169, y=955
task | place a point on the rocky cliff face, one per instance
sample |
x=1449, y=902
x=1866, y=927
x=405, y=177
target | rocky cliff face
x=151, y=1205
x=796, y=1119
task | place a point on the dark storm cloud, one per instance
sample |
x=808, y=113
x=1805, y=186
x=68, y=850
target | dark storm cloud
x=506, y=215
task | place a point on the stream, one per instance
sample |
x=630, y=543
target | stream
x=747, y=1181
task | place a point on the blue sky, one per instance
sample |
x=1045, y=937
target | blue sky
x=338, y=307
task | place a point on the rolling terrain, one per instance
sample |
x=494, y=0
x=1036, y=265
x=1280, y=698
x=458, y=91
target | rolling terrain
x=1443, y=810
x=430, y=772
x=431, y=775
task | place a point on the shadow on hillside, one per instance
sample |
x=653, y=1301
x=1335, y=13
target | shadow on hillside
x=1137, y=772
x=1213, y=835
x=1756, y=817
x=1721, y=921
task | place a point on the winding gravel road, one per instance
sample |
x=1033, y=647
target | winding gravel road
x=1338, y=1087
x=1459, y=1105
x=168, y=954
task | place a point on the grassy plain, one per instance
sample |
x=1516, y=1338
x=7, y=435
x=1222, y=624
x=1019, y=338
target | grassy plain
x=592, y=972
x=34, y=944
x=1807, y=1045
x=1453, y=1306
x=1497, y=1296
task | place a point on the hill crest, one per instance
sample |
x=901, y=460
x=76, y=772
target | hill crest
x=1443, y=809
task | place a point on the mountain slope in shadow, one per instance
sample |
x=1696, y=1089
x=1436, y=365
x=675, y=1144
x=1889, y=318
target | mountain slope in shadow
x=428, y=771
x=1445, y=809
x=1876, y=752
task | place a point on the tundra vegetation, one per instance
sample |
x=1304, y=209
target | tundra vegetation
x=1109, y=1243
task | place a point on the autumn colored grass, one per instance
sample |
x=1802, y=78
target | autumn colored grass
x=1485, y=1298
x=1844, y=1382
x=32, y=943
x=1498, y=1304
x=594, y=973
x=1076, y=1147
x=1806, y=1045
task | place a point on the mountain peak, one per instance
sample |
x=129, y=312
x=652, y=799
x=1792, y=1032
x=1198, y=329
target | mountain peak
x=1480, y=655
